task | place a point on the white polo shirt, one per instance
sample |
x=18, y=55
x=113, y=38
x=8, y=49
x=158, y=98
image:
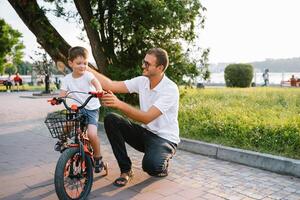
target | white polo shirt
x=165, y=97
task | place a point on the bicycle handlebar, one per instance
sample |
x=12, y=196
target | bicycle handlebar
x=59, y=100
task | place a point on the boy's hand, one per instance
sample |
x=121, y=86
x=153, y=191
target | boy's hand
x=100, y=93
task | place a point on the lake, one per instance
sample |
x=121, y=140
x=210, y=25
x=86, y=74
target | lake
x=274, y=78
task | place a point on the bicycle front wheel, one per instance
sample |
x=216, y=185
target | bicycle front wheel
x=73, y=177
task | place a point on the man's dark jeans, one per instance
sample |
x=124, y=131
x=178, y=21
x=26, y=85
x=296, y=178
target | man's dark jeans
x=158, y=151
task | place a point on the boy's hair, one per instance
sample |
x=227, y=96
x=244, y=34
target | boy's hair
x=161, y=55
x=75, y=52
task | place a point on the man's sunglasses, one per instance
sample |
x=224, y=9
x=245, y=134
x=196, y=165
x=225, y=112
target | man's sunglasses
x=145, y=63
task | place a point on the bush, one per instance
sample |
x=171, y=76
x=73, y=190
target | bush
x=238, y=75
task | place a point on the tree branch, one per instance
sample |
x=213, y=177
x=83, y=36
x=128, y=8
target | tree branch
x=47, y=36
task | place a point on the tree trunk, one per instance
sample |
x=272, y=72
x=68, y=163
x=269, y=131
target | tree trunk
x=47, y=84
x=47, y=36
x=85, y=11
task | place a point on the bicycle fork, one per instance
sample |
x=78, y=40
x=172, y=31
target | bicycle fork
x=83, y=151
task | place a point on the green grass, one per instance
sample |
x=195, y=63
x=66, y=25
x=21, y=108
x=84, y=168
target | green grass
x=27, y=87
x=261, y=119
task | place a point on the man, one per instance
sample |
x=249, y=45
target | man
x=293, y=81
x=158, y=135
x=266, y=77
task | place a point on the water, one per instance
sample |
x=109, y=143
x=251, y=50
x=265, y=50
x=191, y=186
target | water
x=274, y=78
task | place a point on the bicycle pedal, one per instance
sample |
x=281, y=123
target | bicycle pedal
x=57, y=148
x=60, y=146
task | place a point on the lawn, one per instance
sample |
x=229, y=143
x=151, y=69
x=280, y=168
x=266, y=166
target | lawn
x=27, y=87
x=261, y=119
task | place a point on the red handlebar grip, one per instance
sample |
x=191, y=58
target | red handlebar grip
x=53, y=101
x=97, y=94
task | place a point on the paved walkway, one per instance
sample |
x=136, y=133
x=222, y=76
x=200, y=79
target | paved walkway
x=27, y=163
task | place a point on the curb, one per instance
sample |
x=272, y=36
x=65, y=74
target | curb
x=277, y=164
x=263, y=161
x=37, y=96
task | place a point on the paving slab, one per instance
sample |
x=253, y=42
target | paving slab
x=28, y=161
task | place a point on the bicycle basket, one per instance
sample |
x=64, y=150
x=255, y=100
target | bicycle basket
x=64, y=124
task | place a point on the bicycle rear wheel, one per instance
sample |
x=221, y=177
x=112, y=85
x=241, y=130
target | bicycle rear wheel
x=73, y=177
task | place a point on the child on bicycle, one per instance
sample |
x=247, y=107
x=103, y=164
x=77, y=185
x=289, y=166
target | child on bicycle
x=83, y=81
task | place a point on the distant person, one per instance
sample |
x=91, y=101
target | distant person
x=18, y=81
x=57, y=83
x=8, y=83
x=266, y=77
x=293, y=81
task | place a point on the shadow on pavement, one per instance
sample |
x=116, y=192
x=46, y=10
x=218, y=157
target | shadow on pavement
x=110, y=192
x=38, y=191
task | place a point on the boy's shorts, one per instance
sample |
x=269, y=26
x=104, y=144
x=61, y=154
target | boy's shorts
x=92, y=116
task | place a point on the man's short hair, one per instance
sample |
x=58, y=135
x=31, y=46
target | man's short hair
x=161, y=55
x=75, y=52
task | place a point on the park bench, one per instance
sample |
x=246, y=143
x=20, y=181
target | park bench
x=290, y=84
x=2, y=82
x=13, y=86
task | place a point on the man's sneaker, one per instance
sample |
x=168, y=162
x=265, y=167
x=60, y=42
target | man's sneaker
x=98, y=163
x=165, y=172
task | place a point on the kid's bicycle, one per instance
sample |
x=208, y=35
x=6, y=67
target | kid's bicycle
x=73, y=178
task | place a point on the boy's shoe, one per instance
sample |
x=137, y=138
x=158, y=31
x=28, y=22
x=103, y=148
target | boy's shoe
x=99, y=165
x=60, y=146
x=57, y=146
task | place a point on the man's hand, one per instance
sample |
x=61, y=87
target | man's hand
x=110, y=100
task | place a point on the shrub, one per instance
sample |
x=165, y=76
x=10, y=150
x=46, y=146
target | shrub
x=238, y=75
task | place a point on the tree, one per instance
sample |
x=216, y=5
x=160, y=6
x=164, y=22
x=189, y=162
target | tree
x=44, y=66
x=120, y=32
x=25, y=68
x=10, y=48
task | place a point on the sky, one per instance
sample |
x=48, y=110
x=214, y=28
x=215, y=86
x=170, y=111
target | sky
x=235, y=30
x=251, y=30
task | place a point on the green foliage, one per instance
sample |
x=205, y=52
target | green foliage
x=10, y=47
x=140, y=25
x=25, y=68
x=9, y=68
x=128, y=28
x=260, y=119
x=238, y=75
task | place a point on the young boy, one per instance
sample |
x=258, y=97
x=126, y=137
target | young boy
x=84, y=81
